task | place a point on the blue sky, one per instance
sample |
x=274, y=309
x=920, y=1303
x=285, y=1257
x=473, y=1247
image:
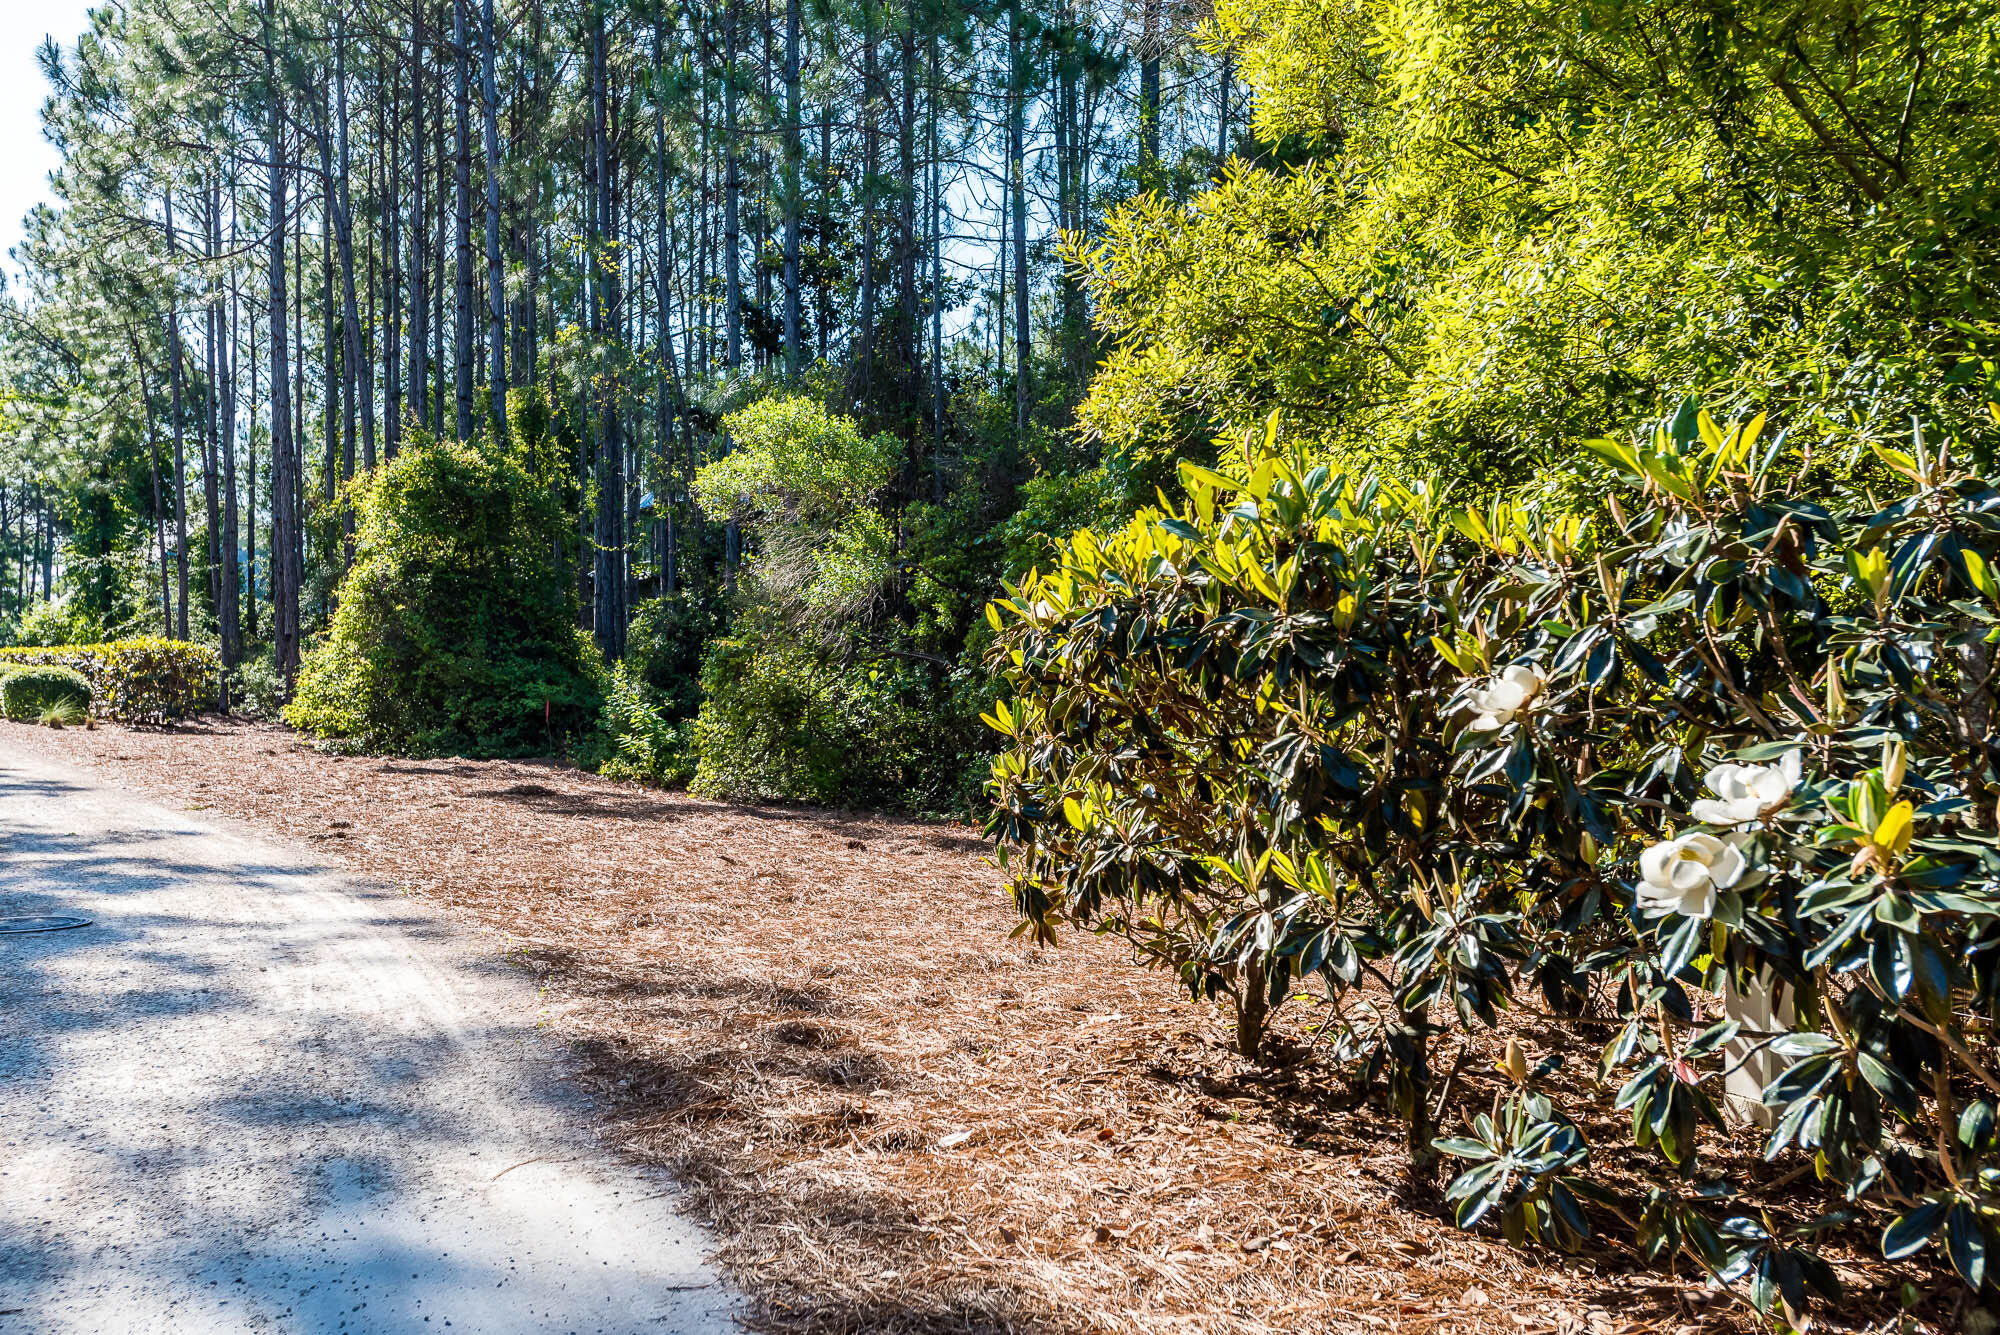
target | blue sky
x=25, y=157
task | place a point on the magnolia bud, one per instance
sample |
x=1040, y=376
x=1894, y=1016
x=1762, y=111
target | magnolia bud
x=1514, y=1062
x=1836, y=694
x=1894, y=763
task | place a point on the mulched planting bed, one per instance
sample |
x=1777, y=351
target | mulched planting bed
x=897, y=1118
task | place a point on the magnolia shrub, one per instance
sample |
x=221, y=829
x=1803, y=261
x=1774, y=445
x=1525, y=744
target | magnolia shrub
x=1717, y=747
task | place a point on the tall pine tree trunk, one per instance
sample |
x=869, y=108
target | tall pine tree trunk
x=1017, y=176
x=823, y=288
x=353, y=364
x=496, y=274
x=159, y=499
x=284, y=489
x=864, y=351
x=1149, y=92
x=212, y=355
x=608, y=568
x=906, y=207
x=732, y=192
x=174, y=373
x=792, y=199
x=232, y=575
x=392, y=241
x=462, y=316
x=333, y=372
x=669, y=381
x=250, y=486
x=420, y=298
x=937, y=285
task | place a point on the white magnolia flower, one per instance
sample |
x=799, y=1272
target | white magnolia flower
x=1748, y=792
x=1508, y=694
x=1682, y=875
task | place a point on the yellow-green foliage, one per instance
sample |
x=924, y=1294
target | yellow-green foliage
x=135, y=681
x=792, y=459
x=1486, y=225
x=802, y=479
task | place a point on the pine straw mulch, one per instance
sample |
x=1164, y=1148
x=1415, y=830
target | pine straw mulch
x=897, y=1118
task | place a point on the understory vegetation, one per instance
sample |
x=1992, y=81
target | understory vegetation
x=1418, y=513
x=454, y=630
x=30, y=693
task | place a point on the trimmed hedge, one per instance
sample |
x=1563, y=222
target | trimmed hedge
x=134, y=681
x=26, y=692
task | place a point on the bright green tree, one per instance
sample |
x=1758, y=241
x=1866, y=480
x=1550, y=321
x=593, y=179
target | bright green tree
x=1486, y=226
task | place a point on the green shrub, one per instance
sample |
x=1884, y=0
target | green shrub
x=836, y=683
x=455, y=627
x=795, y=462
x=1707, y=775
x=256, y=687
x=784, y=720
x=665, y=643
x=1470, y=231
x=153, y=681
x=772, y=724
x=648, y=744
x=647, y=724
x=56, y=621
x=28, y=692
x=802, y=480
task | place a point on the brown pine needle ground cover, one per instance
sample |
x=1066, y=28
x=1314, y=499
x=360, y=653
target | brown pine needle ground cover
x=897, y=1118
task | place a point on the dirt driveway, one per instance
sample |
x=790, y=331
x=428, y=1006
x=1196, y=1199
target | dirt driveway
x=258, y=1094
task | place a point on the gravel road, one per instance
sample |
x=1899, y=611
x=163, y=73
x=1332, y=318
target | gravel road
x=259, y=1095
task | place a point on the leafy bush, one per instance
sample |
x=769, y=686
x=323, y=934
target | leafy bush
x=257, y=688
x=794, y=460
x=26, y=694
x=455, y=629
x=665, y=643
x=801, y=478
x=839, y=679
x=1495, y=225
x=773, y=724
x=648, y=743
x=1708, y=771
x=56, y=621
x=136, y=681
x=647, y=723
x=782, y=720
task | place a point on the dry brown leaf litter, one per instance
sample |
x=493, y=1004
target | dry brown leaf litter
x=898, y=1119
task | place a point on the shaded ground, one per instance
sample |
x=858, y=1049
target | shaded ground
x=899, y=1119
x=256, y=1095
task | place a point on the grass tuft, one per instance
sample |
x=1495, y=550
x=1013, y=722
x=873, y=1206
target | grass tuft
x=63, y=714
